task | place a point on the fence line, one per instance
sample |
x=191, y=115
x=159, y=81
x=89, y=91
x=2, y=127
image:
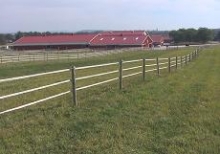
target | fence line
x=94, y=66
x=174, y=63
x=96, y=84
x=17, y=56
x=35, y=102
x=96, y=75
x=33, y=75
x=35, y=89
x=142, y=67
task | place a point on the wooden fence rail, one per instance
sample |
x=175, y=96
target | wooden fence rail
x=16, y=56
x=118, y=71
x=167, y=63
x=41, y=55
x=48, y=56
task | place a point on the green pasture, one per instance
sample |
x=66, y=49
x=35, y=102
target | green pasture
x=172, y=113
x=40, y=67
x=25, y=68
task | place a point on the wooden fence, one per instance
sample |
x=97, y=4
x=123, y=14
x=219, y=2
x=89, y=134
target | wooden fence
x=48, y=56
x=27, y=56
x=99, y=74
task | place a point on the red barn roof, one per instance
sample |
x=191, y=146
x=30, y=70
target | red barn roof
x=55, y=39
x=120, y=38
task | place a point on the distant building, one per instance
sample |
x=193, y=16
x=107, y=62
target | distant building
x=121, y=39
x=103, y=40
x=58, y=42
x=159, y=40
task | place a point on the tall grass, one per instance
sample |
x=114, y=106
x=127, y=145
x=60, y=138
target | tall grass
x=173, y=113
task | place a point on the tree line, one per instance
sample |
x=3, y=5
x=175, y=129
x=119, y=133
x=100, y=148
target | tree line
x=201, y=35
x=182, y=35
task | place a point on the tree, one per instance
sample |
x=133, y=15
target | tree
x=2, y=39
x=176, y=35
x=217, y=37
x=179, y=35
x=18, y=35
x=204, y=35
x=182, y=35
x=190, y=35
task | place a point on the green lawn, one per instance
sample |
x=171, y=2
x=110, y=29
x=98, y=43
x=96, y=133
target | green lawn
x=173, y=113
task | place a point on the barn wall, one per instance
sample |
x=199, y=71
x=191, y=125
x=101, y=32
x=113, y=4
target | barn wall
x=50, y=47
x=111, y=47
x=148, y=42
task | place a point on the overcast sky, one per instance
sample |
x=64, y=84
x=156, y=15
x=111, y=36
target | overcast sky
x=76, y=15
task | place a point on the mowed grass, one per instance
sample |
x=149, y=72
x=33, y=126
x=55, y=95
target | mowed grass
x=173, y=113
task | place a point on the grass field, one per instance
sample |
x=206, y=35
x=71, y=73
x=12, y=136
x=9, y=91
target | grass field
x=24, y=68
x=173, y=113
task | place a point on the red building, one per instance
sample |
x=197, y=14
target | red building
x=58, y=42
x=104, y=40
x=119, y=39
x=159, y=40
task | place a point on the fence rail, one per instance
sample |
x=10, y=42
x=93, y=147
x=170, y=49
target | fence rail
x=12, y=57
x=42, y=55
x=116, y=71
x=33, y=75
x=19, y=56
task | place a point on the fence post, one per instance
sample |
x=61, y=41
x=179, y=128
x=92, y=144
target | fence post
x=158, y=66
x=181, y=61
x=176, y=62
x=185, y=59
x=169, y=65
x=193, y=56
x=144, y=68
x=73, y=81
x=196, y=53
x=190, y=58
x=120, y=74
